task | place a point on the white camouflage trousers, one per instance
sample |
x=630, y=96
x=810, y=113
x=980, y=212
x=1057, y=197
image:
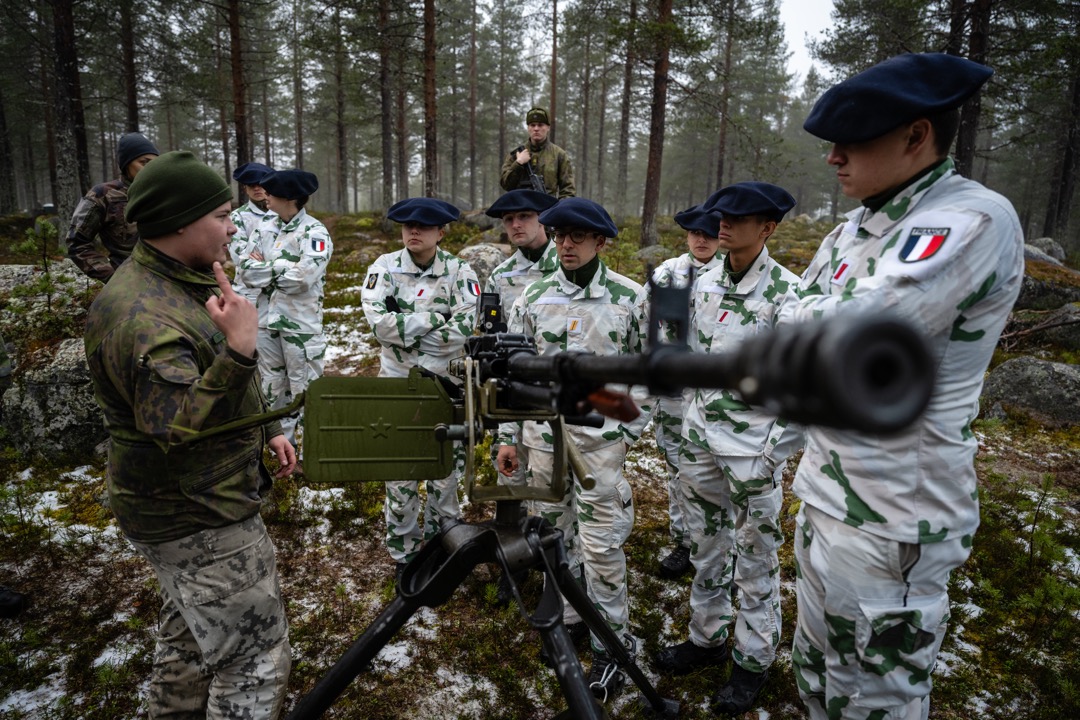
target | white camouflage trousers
x=404, y=535
x=288, y=364
x=222, y=649
x=668, y=430
x=733, y=520
x=872, y=615
x=595, y=525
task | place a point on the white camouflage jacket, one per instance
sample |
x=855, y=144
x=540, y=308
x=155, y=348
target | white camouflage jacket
x=437, y=310
x=292, y=272
x=513, y=275
x=723, y=315
x=605, y=317
x=947, y=255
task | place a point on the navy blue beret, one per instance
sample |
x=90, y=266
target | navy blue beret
x=423, y=211
x=516, y=200
x=251, y=173
x=697, y=218
x=897, y=91
x=290, y=184
x=575, y=212
x=751, y=198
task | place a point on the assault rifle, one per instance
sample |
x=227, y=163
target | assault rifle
x=535, y=181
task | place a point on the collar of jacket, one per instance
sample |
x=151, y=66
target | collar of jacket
x=161, y=264
x=437, y=267
x=537, y=147
x=880, y=222
x=597, y=286
x=294, y=222
x=750, y=276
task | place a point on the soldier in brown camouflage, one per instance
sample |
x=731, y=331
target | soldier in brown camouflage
x=98, y=221
x=171, y=350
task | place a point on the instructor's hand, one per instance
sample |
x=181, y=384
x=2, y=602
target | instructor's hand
x=233, y=315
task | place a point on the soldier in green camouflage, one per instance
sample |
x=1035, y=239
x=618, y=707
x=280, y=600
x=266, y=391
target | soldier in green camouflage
x=547, y=161
x=701, y=229
x=287, y=259
x=171, y=350
x=885, y=519
x=421, y=305
x=733, y=457
x=98, y=219
x=585, y=306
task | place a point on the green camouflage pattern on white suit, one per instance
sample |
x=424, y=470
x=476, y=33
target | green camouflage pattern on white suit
x=667, y=421
x=885, y=519
x=436, y=313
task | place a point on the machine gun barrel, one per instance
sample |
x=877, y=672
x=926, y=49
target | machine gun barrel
x=870, y=375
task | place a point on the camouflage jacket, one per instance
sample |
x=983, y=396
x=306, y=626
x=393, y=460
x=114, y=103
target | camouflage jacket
x=606, y=318
x=246, y=218
x=550, y=162
x=947, y=255
x=436, y=310
x=674, y=272
x=510, y=278
x=162, y=371
x=100, y=216
x=723, y=315
x=291, y=274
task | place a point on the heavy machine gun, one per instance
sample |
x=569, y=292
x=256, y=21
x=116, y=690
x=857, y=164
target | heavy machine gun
x=873, y=375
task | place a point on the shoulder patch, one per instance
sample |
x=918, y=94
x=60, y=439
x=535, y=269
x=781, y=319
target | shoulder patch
x=922, y=243
x=372, y=279
x=474, y=288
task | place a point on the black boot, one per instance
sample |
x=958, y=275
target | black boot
x=740, y=691
x=605, y=677
x=686, y=657
x=676, y=564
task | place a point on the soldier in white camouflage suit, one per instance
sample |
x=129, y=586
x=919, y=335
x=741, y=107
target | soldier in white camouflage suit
x=733, y=458
x=421, y=305
x=885, y=519
x=701, y=229
x=585, y=307
x=246, y=218
x=534, y=258
x=287, y=261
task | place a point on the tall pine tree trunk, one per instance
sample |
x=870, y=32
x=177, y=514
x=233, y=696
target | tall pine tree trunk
x=472, y=107
x=430, y=150
x=725, y=91
x=127, y=61
x=552, y=112
x=657, y=117
x=386, y=107
x=8, y=201
x=72, y=167
x=969, y=114
x=339, y=102
x=582, y=174
x=298, y=85
x=622, y=181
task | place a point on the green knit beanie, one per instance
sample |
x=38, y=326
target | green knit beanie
x=172, y=191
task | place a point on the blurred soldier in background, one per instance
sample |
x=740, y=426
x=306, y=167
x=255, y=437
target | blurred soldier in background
x=548, y=161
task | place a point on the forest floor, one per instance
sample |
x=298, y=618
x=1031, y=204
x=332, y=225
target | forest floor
x=83, y=649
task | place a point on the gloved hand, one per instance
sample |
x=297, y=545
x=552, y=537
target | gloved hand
x=391, y=304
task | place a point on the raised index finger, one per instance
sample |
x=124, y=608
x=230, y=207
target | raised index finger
x=222, y=280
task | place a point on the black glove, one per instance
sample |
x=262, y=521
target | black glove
x=445, y=316
x=391, y=304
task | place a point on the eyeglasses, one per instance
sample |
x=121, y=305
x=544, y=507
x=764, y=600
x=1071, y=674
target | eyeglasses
x=578, y=236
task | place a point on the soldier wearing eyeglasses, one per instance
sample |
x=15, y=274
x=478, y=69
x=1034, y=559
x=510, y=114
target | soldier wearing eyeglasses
x=584, y=306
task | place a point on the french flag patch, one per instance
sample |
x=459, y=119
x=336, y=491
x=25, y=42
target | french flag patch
x=474, y=288
x=318, y=245
x=922, y=243
x=840, y=276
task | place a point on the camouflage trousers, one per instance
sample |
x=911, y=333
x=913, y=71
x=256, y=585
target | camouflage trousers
x=872, y=615
x=668, y=429
x=223, y=641
x=733, y=520
x=404, y=535
x=595, y=525
x=287, y=365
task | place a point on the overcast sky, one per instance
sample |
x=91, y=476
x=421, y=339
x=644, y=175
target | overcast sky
x=803, y=18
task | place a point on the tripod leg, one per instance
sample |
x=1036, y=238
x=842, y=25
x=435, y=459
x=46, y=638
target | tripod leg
x=568, y=671
x=354, y=661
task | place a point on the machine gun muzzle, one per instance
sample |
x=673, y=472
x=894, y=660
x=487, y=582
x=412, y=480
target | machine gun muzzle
x=857, y=373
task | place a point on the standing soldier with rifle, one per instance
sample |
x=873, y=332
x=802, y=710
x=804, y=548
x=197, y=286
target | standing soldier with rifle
x=540, y=165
